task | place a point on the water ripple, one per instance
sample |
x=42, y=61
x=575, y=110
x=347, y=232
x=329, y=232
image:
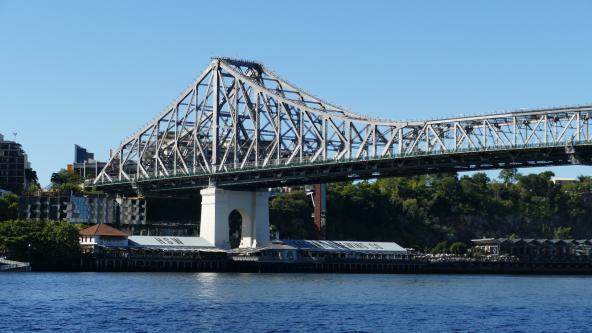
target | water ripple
x=166, y=302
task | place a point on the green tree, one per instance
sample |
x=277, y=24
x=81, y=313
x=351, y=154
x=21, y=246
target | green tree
x=562, y=233
x=291, y=213
x=8, y=207
x=509, y=176
x=47, y=245
x=273, y=231
x=458, y=248
x=31, y=176
x=441, y=247
x=32, y=189
x=65, y=180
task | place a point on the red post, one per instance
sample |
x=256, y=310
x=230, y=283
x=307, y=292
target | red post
x=319, y=201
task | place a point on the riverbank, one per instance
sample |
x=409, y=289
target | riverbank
x=240, y=264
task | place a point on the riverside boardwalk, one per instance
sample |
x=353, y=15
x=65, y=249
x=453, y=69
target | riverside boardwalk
x=13, y=266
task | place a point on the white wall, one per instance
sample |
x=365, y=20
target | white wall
x=216, y=206
x=98, y=240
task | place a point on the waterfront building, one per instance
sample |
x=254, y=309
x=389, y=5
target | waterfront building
x=14, y=166
x=487, y=245
x=583, y=247
x=106, y=237
x=177, y=253
x=106, y=248
x=534, y=248
x=563, y=181
x=101, y=235
x=276, y=250
x=306, y=250
x=170, y=243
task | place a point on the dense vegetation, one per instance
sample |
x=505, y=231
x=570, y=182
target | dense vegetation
x=290, y=214
x=423, y=211
x=8, y=207
x=47, y=245
x=68, y=181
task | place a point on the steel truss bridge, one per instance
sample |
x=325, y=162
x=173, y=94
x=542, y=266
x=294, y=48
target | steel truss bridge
x=241, y=126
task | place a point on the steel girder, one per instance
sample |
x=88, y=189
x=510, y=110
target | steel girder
x=238, y=118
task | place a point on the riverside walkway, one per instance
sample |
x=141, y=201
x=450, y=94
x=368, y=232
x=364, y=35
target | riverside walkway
x=11, y=265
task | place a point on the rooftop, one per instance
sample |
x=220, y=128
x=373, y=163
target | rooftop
x=485, y=241
x=102, y=230
x=169, y=242
x=345, y=246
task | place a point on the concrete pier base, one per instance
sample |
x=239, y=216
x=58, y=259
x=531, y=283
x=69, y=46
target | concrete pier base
x=216, y=206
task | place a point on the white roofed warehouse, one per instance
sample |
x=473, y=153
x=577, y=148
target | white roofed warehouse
x=326, y=256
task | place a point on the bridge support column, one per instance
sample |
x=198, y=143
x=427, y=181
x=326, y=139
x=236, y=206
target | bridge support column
x=216, y=207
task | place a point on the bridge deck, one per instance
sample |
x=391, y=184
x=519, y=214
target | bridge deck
x=364, y=168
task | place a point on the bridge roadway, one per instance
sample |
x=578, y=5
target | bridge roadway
x=240, y=126
x=365, y=168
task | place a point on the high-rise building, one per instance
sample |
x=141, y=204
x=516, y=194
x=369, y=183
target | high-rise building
x=85, y=164
x=14, y=166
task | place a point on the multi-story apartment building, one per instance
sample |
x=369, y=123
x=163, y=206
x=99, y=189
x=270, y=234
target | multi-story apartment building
x=13, y=166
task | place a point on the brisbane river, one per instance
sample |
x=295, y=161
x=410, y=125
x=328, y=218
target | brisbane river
x=214, y=302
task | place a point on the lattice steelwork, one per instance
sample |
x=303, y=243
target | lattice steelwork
x=238, y=116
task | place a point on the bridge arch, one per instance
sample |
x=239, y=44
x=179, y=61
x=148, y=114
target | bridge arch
x=239, y=225
x=235, y=226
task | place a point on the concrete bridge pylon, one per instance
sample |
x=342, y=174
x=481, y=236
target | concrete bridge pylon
x=218, y=204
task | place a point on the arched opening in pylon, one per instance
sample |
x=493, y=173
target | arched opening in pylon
x=235, y=226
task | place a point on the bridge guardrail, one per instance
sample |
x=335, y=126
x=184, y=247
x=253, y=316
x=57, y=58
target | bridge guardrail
x=251, y=166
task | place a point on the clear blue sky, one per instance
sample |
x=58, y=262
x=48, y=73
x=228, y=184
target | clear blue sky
x=92, y=73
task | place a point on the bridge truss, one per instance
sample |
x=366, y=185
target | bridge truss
x=240, y=125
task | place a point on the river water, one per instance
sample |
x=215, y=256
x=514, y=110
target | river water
x=212, y=302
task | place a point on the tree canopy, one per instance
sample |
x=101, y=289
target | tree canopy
x=47, y=245
x=422, y=211
x=8, y=207
x=65, y=180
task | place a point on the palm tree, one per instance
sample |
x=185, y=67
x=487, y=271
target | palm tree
x=31, y=176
